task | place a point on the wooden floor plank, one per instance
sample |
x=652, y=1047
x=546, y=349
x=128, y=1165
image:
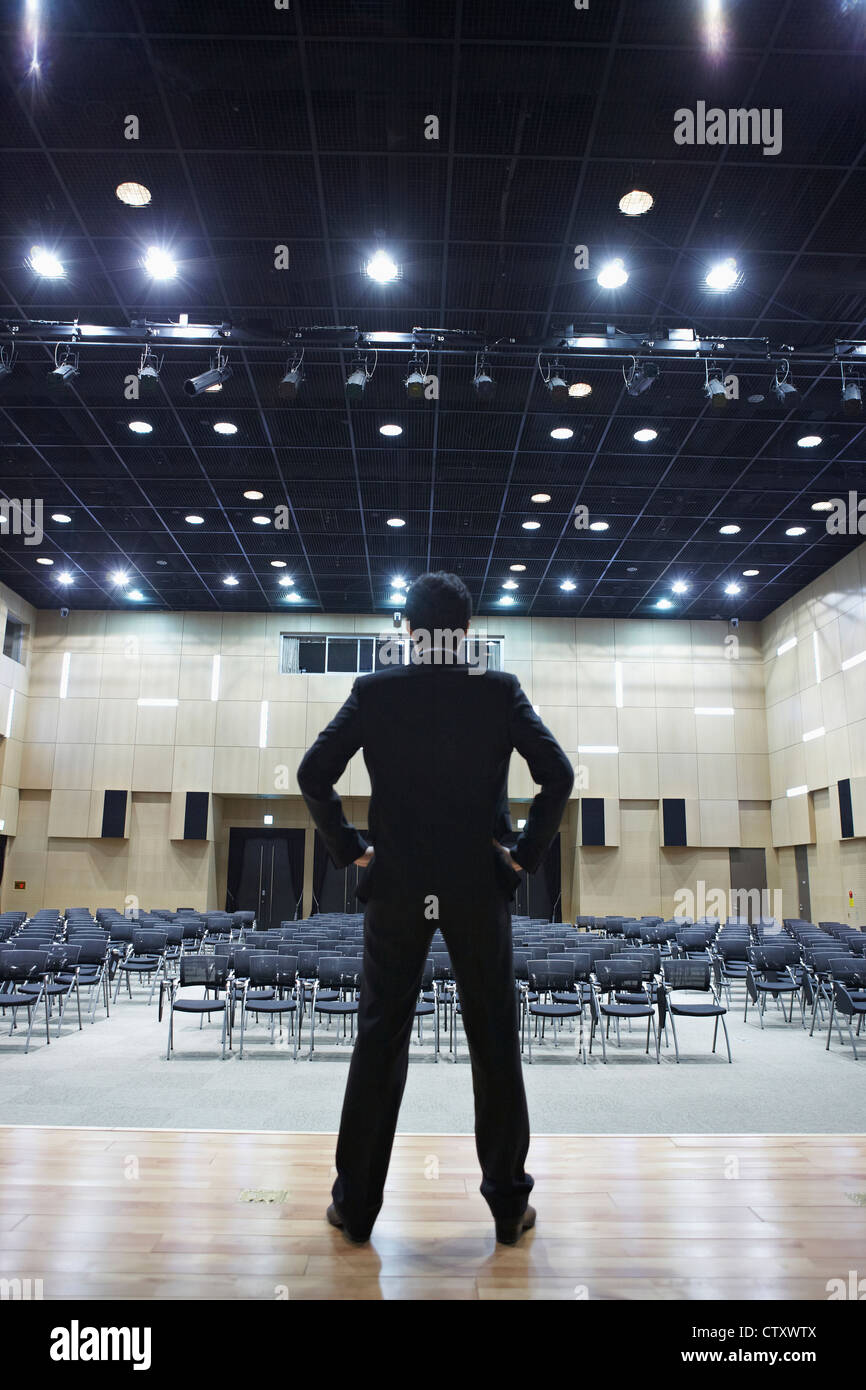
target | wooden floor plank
x=196, y=1215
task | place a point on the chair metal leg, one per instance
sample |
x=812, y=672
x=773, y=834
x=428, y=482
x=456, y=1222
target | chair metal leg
x=727, y=1039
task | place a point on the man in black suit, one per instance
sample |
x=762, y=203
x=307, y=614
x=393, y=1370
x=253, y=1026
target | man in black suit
x=437, y=736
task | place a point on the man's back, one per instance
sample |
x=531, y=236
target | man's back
x=437, y=740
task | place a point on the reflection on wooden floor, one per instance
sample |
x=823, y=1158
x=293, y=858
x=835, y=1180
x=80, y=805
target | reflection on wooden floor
x=140, y=1214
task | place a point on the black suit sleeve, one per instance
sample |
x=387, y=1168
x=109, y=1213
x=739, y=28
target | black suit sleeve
x=550, y=768
x=322, y=766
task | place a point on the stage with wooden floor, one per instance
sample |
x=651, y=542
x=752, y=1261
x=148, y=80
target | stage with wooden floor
x=138, y=1214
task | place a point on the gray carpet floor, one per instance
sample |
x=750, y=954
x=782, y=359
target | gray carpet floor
x=114, y=1073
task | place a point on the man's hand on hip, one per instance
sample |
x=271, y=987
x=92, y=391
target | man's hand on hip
x=365, y=857
x=518, y=868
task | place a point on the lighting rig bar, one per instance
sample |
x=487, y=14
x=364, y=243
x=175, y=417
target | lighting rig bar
x=573, y=343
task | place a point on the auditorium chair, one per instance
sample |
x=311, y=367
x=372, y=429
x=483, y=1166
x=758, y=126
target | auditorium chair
x=208, y=972
x=771, y=972
x=340, y=976
x=690, y=976
x=19, y=969
x=271, y=989
x=551, y=998
x=849, y=999
x=625, y=978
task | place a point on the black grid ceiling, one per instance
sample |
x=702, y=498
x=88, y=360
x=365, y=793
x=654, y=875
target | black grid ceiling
x=305, y=126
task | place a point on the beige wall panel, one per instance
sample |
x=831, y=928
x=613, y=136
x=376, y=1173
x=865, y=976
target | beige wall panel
x=238, y=723
x=753, y=777
x=236, y=771
x=675, y=731
x=37, y=765
x=595, y=639
x=714, y=733
x=192, y=770
x=244, y=634
x=554, y=682
x=195, y=675
x=720, y=823
x=156, y=724
x=116, y=721
x=201, y=632
x=596, y=683
x=717, y=776
x=678, y=775
x=112, y=767
x=674, y=685
x=639, y=777
x=638, y=684
x=76, y=721
x=69, y=814
x=121, y=676
x=42, y=716
x=152, y=768
x=73, y=766
x=637, y=730
x=196, y=722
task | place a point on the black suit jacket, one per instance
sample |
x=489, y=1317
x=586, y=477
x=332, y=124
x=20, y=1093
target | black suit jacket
x=437, y=742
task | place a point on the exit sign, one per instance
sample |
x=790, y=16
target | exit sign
x=20, y=883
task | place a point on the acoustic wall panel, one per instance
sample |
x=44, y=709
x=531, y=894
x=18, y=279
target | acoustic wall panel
x=114, y=806
x=196, y=816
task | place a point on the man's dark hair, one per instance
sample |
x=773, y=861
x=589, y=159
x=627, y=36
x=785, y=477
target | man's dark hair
x=439, y=600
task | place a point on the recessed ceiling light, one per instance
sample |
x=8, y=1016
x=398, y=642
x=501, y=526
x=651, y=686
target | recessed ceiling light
x=285, y=581
x=729, y=530
x=599, y=526
x=664, y=603
x=750, y=574
x=225, y=427
x=506, y=600
x=733, y=588
x=822, y=506
x=43, y=560
x=64, y=577
x=391, y=430
x=568, y=586
x=135, y=195
x=561, y=432
x=531, y=525
x=61, y=517
x=810, y=441
x=398, y=583
x=278, y=564
x=135, y=594
x=45, y=263
x=540, y=497
x=380, y=267
x=680, y=587
x=395, y=521
x=396, y=598
x=231, y=581
x=644, y=436
x=636, y=203
x=294, y=597
x=756, y=399
x=194, y=520
x=140, y=427
x=159, y=264
x=723, y=276
x=119, y=577
x=796, y=531
x=518, y=569
x=612, y=275
x=510, y=584
x=261, y=521
x=580, y=388
x=252, y=495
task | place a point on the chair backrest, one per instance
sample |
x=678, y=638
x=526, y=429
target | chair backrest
x=619, y=975
x=204, y=970
x=339, y=972
x=23, y=964
x=271, y=968
x=687, y=974
x=148, y=943
x=545, y=977
x=773, y=958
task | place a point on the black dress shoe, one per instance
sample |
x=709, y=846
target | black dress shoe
x=509, y=1230
x=336, y=1219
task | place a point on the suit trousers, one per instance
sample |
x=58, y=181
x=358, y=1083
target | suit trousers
x=396, y=946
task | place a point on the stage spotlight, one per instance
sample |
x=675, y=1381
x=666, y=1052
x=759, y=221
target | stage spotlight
x=852, y=398
x=724, y=276
x=148, y=370
x=65, y=368
x=159, y=264
x=641, y=377
x=783, y=387
x=291, y=382
x=416, y=380
x=218, y=372
x=356, y=381
x=380, y=267
x=46, y=264
x=557, y=386
x=483, y=382
x=612, y=275
x=7, y=362
x=714, y=389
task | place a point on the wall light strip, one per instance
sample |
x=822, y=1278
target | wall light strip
x=796, y=791
x=617, y=678
x=215, y=679
x=9, y=713
x=597, y=748
x=817, y=657
x=263, y=725
x=64, y=676
x=714, y=709
x=148, y=702
x=813, y=733
x=786, y=646
x=853, y=661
